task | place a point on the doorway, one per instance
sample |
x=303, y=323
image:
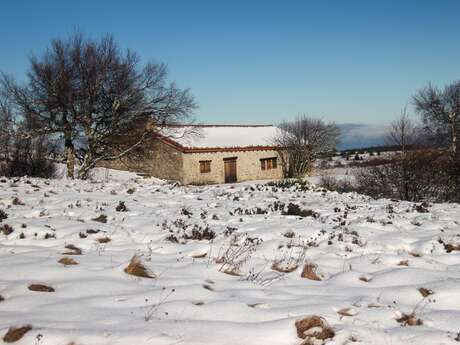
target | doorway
x=230, y=170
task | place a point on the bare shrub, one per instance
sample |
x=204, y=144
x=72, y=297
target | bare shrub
x=3, y=215
x=289, y=257
x=137, y=268
x=29, y=157
x=121, y=207
x=41, y=288
x=235, y=253
x=449, y=246
x=303, y=140
x=6, y=229
x=181, y=231
x=331, y=183
x=16, y=333
x=17, y=202
x=415, y=176
x=295, y=210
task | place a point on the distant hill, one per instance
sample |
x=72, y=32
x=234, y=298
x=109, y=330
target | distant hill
x=355, y=135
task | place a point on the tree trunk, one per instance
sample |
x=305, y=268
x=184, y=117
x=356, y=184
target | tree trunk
x=86, y=166
x=454, y=139
x=69, y=152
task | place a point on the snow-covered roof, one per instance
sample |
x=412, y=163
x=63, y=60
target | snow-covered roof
x=221, y=136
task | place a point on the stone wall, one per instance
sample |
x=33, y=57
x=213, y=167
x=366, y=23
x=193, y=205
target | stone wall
x=166, y=162
x=160, y=160
x=247, y=166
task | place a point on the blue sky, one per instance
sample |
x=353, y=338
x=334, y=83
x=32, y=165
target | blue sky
x=264, y=61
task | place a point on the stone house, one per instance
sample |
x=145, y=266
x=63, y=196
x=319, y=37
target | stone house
x=205, y=154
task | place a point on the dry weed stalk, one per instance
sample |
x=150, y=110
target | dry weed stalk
x=151, y=310
x=413, y=318
x=291, y=256
x=236, y=254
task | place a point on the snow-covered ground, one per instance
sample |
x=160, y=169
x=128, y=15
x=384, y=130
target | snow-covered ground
x=226, y=264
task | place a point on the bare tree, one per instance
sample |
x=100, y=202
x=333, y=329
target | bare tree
x=402, y=133
x=6, y=128
x=302, y=141
x=440, y=111
x=100, y=100
x=21, y=154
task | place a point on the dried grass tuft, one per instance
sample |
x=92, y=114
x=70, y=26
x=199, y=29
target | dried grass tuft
x=105, y=239
x=67, y=261
x=347, y=312
x=279, y=267
x=313, y=329
x=365, y=278
x=232, y=272
x=101, y=218
x=409, y=320
x=41, y=288
x=16, y=333
x=309, y=272
x=199, y=255
x=73, y=250
x=208, y=287
x=425, y=292
x=137, y=268
x=403, y=263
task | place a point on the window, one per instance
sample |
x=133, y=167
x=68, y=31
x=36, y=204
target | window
x=268, y=163
x=205, y=167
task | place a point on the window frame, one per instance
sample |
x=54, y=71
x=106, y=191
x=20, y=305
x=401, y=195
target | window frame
x=205, y=166
x=269, y=163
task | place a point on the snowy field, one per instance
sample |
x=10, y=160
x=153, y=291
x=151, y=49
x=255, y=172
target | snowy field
x=227, y=264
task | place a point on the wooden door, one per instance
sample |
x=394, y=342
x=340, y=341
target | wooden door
x=230, y=170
